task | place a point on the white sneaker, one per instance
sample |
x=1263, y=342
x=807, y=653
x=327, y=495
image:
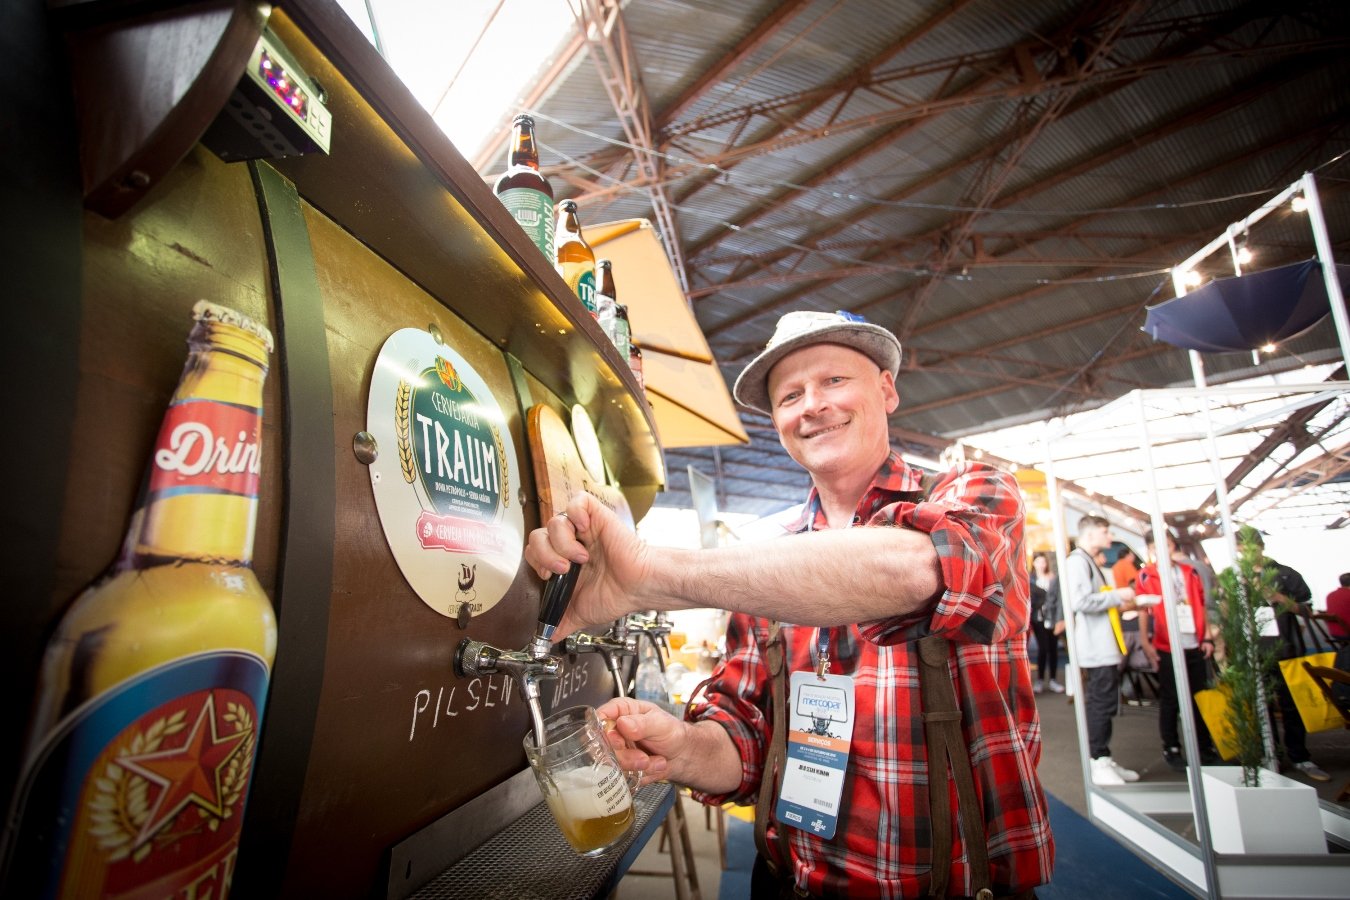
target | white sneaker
x=1124, y=773
x=1038, y=687
x=1310, y=769
x=1104, y=772
x=1056, y=686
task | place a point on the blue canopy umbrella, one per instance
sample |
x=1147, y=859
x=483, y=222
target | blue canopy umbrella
x=1245, y=312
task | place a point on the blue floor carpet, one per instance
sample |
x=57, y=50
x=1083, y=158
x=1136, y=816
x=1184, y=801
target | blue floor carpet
x=735, y=884
x=1083, y=854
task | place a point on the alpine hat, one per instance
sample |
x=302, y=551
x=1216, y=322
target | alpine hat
x=804, y=328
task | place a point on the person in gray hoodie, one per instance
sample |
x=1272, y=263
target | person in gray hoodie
x=1097, y=654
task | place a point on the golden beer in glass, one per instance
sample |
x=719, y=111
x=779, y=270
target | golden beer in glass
x=590, y=797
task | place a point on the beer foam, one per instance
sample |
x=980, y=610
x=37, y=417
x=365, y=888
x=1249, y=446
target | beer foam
x=593, y=793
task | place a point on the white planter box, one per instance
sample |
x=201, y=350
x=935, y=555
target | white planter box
x=1280, y=816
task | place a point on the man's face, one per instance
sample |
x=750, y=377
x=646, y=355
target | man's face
x=829, y=405
x=1095, y=539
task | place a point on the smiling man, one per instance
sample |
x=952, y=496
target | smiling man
x=912, y=626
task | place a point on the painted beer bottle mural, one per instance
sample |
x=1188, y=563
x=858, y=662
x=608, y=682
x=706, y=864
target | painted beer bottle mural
x=523, y=190
x=146, y=725
x=573, y=257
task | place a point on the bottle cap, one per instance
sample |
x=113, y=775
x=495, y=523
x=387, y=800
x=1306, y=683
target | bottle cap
x=206, y=311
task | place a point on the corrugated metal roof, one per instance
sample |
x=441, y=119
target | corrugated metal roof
x=1007, y=186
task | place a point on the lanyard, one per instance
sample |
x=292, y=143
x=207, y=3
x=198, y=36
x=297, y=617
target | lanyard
x=820, y=647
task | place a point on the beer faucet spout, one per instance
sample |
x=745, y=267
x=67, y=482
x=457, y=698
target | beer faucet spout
x=617, y=642
x=531, y=665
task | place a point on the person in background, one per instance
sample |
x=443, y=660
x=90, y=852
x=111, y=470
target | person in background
x=1193, y=624
x=1047, y=622
x=1195, y=556
x=1291, y=592
x=880, y=560
x=1126, y=566
x=1098, y=656
x=1338, y=604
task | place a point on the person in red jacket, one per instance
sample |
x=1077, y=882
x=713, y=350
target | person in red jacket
x=1157, y=646
x=1338, y=604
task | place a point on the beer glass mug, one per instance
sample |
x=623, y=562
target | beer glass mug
x=590, y=797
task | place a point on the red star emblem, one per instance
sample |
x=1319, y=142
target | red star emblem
x=187, y=774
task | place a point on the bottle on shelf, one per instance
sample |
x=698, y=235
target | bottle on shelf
x=623, y=331
x=523, y=190
x=573, y=257
x=141, y=747
x=635, y=363
x=607, y=306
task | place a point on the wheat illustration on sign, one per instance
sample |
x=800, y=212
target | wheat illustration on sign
x=407, y=460
x=126, y=822
x=506, y=466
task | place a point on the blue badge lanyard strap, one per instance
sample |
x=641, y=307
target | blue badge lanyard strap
x=822, y=652
x=821, y=648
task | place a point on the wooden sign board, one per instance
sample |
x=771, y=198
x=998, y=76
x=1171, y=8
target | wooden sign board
x=559, y=472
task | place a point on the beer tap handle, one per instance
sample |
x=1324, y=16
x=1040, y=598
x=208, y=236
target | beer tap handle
x=557, y=594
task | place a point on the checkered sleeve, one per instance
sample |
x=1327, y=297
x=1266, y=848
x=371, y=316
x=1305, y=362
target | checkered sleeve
x=736, y=697
x=974, y=517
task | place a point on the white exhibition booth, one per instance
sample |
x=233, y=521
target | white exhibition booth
x=1199, y=417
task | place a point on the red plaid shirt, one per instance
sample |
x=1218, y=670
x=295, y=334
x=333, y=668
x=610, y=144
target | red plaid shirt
x=882, y=847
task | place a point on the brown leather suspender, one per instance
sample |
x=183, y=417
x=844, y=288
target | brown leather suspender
x=947, y=747
x=779, y=857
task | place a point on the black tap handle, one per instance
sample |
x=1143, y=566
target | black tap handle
x=557, y=594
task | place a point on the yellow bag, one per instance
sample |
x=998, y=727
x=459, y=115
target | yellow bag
x=1213, y=704
x=1314, y=708
x=1114, y=615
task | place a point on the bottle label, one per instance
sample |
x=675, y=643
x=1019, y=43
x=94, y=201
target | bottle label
x=582, y=281
x=534, y=211
x=139, y=793
x=207, y=447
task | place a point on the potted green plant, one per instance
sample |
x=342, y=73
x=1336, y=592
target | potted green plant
x=1253, y=809
x=1248, y=667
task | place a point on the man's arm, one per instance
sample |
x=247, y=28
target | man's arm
x=1080, y=595
x=821, y=578
x=1146, y=638
x=1293, y=586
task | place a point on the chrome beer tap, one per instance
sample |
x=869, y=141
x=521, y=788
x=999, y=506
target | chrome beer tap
x=618, y=641
x=534, y=663
x=655, y=630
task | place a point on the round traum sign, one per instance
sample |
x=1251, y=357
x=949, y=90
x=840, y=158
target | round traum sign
x=447, y=475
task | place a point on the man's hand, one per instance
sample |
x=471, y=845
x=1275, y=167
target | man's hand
x=613, y=562
x=1150, y=653
x=652, y=742
x=1126, y=595
x=644, y=736
x=1282, y=604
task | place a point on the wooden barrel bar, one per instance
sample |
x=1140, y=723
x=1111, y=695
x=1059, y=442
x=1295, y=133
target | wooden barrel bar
x=369, y=736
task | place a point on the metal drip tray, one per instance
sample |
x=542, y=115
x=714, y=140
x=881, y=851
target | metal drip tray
x=531, y=860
